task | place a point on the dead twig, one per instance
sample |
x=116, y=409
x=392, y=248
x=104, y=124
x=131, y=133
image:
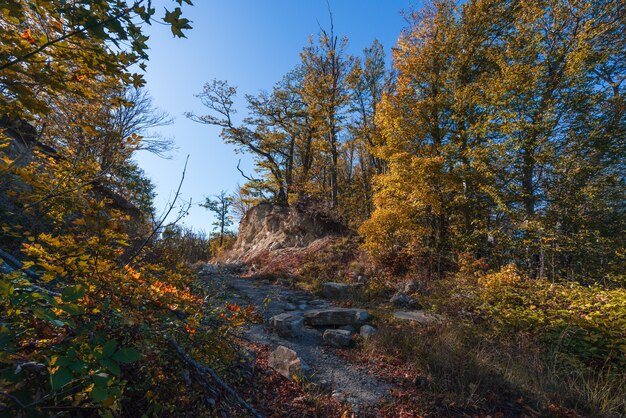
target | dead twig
x=158, y=227
x=202, y=370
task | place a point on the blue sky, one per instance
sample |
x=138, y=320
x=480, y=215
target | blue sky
x=252, y=44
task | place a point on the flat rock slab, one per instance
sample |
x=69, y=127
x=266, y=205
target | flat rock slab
x=337, y=337
x=335, y=317
x=332, y=290
x=421, y=317
x=287, y=324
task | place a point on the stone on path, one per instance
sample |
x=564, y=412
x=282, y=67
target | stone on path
x=411, y=286
x=287, y=324
x=332, y=290
x=286, y=362
x=337, y=337
x=418, y=316
x=402, y=300
x=335, y=316
x=350, y=328
x=367, y=332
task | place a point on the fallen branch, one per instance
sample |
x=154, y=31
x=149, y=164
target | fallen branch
x=16, y=264
x=202, y=370
x=14, y=399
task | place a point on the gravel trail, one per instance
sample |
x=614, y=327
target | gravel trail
x=348, y=382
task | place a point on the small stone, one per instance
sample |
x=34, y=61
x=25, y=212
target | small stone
x=339, y=396
x=367, y=332
x=286, y=362
x=337, y=337
x=290, y=307
x=287, y=324
x=402, y=300
x=302, y=307
x=350, y=328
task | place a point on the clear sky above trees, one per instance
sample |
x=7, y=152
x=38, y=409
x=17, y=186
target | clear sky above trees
x=252, y=44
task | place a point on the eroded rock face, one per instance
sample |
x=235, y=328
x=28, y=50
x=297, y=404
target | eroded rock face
x=335, y=316
x=268, y=228
x=287, y=324
x=337, y=337
x=286, y=362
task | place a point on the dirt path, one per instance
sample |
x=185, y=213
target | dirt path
x=349, y=383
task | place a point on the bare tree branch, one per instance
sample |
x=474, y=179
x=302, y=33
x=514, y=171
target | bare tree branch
x=162, y=221
x=202, y=369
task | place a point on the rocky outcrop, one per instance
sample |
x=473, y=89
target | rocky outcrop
x=269, y=228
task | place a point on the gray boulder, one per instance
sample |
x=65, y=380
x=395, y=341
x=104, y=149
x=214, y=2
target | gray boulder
x=350, y=328
x=319, y=303
x=420, y=317
x=332, y=290
x=337, y=337
x=287, y=324
x=367, y=332
x=286, y=362
x=402, y=300
x=335, y=316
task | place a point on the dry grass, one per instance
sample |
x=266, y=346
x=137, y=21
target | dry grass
x=469, y=373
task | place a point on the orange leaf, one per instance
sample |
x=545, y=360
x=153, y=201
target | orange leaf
x=27, y=35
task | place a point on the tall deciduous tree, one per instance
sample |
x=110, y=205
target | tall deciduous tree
x=326, y=68
x=502, y=138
